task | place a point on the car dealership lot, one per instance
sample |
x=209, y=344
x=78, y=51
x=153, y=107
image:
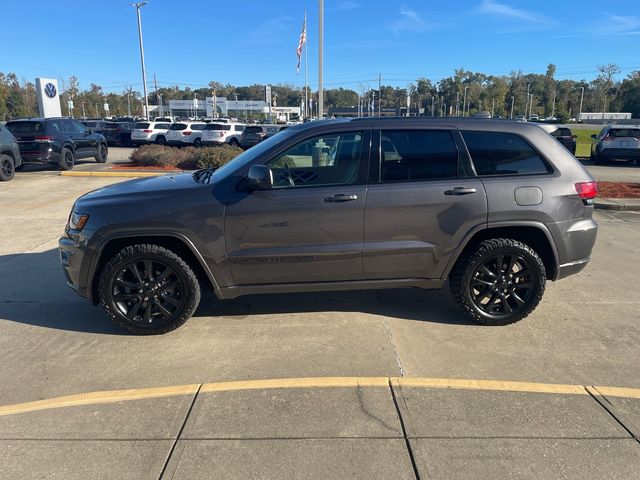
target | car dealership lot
x=52, y=343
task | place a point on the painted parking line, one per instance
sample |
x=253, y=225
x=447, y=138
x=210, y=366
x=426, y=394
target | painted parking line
x=113, y=396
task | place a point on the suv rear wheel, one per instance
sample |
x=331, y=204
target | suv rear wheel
x=7, y=169
x=499, y=282
x=102, y=152
x=67, y=159
x=148, y=289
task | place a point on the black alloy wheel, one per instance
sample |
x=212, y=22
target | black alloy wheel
x=67, y=159
x=148, y=289
x=7, y=169
x=499, y=281
x=502, y=284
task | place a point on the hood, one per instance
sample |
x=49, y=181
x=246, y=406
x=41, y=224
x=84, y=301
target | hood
x=141, y=189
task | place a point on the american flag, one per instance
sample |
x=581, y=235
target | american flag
x=303, y=39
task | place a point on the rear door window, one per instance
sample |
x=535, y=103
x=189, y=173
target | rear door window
x=410, y=155
x=495, y=153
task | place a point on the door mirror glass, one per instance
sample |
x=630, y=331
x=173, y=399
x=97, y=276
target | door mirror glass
x=260, y=177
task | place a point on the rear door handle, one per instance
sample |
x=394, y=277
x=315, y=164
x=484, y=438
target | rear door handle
x=341, y=197
x=460, y=191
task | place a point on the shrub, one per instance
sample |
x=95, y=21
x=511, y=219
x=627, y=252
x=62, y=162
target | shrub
x=188, y=158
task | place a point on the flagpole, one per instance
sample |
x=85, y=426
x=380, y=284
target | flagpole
x=306, y=70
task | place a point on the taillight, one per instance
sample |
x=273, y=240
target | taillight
x=43, y=138
x=148, y=131
x=587, y=190
x=184, y=132
x=575, y=137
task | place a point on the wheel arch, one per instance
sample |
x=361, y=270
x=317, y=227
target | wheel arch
x=533, y=234
x=175, y=242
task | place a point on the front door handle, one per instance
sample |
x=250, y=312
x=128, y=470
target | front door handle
x=341, y=197
x=460, y=191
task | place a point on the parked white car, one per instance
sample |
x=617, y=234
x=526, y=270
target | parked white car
x=185, y=133
x=150, y=132
x=219, y=133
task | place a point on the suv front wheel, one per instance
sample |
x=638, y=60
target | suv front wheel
x=148, y=289
x=499, y=282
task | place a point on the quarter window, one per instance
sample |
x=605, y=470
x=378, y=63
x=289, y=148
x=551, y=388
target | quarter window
x=324, y=160
x=418, y=155
x=495, y=153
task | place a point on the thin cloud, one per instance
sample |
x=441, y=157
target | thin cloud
x=490, y=7
x=342, y=6
x=270, y=32
x=410, y=20
x=619, y=25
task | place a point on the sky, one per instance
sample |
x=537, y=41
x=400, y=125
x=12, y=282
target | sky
x=242, y=42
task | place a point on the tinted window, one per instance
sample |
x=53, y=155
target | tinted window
x=239, y=128
x=198, y=126
x=217, y=126
x=502, y=154
x=562, y=132
x=253, y=130
x=67, y=126
x=418, y=155
x=178, y=126
x=80, y=127
x=91, y=124
x=624, y=132
x=55, y=126
x=324, y=160
x=162, y=126
x=141, y=125
x=25, y=127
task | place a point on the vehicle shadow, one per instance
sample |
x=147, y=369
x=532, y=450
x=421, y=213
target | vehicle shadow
x=33, y=291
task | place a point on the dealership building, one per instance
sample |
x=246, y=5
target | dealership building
x=232, y=108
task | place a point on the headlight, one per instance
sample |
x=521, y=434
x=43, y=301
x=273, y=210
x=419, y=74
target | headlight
x=77, y=221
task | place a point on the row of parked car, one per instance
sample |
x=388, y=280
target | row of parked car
x=62, y=141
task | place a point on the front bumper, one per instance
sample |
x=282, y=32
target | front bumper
x=71, y=258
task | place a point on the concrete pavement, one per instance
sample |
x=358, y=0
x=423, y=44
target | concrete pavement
x=52, y=343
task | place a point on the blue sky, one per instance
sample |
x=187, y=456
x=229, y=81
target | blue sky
x=190, y=42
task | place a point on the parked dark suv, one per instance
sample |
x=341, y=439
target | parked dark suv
x=9, y=155
x=496, y=208
x=60, y=141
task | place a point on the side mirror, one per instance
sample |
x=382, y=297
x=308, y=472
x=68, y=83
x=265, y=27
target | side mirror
x=594, y=136
x=260, y=177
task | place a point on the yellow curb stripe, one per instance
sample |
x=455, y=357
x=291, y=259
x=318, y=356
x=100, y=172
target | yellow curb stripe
x=616, y=392
x=491, y=385
x=312, y=382
x=112, y=396
x=115, y=174
x=94, y=398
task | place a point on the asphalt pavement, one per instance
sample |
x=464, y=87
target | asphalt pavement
x=372, y=384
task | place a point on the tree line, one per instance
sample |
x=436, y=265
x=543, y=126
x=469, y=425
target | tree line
x=540, y=94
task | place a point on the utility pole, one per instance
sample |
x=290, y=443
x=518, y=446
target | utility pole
x=457, y=104
x=128, y=101
x=464, y=101
x=433, y=106
x=530, y=106
x=84, y=115
x=553, y=106
x=379, y=94
x=493, y=106
x=155, y=86
x=513, y=99
x=373, y=104
x=320, y=48
x=526, y=104
x=581, y=99
x=138, y=6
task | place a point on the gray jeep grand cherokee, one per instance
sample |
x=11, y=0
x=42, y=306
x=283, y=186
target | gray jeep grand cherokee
x=496, y=207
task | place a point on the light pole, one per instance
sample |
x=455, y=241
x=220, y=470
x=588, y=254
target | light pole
x=526, y=104
x=530, y=106
x=320, y=53
x=512, y=102
x=553, y=105
x=457, y=104
x=581, y=99
x=139, y=5
x=464, y=101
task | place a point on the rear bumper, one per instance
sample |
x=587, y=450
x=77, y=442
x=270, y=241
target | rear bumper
x=574, y=240
x=45, y=154
x=619, y=154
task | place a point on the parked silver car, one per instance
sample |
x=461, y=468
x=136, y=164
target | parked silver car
x=616, y=143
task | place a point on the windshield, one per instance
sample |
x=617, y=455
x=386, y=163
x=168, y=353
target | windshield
x=243, y=159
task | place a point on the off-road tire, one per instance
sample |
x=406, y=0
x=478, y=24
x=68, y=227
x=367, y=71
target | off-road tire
x=7, y=168
x=67, y=159
x=102, y=153
x=463, y=272
x=159, y=254
x=161, y=140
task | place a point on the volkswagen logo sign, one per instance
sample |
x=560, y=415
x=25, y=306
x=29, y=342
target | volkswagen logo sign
x=50, y=90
